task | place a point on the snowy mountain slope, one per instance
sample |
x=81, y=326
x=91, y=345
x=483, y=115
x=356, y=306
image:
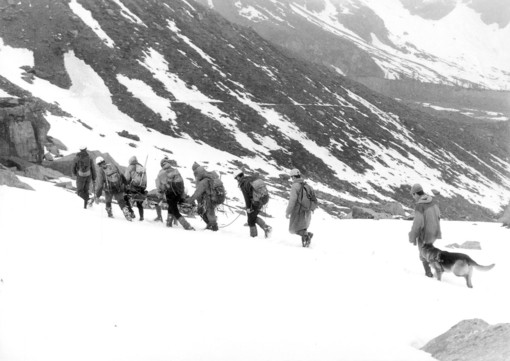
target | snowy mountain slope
x=443, y=42
x=94, y=288
x=198, y=88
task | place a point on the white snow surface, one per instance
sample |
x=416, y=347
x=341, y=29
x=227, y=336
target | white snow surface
x=76, y=285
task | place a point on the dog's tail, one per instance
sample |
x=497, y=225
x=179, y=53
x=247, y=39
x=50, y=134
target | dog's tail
x=483, y=268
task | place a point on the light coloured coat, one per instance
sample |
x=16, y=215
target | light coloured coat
x=426, y=225
x=299, y=218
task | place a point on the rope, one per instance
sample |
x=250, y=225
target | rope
x=235, y=219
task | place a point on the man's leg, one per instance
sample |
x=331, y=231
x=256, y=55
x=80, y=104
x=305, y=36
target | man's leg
x=425, y=263
x=119, y=196
x=108, y=201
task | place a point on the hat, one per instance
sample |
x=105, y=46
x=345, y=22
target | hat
x=295, y=173
x=99, y=160
x=239, y=176
x=416, y=188
x=133, y=160
x=195, y=165
x=83, y=147
x=164, y=160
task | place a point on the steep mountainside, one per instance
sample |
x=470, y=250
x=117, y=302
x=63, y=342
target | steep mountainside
x=450, y=42
x=180, y=76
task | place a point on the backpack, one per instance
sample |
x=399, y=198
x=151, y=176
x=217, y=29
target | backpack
x=218, y=193
x=307, y=199
x=84, y=165
x=113, y=178
x=260, y=194
x=139, y=178
x=172, y=181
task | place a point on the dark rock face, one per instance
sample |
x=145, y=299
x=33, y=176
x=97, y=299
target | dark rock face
x=23, y=131
x=473, y=340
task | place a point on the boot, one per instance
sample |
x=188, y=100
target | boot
x=127, y=214
x=170, y=220
x=267, y=229
x=426, y=266
x=140, y=210
x=214, y=227
x=253, y=231
x=109, y=211
x=309, y=239
x=303, y=239
x=185, y=224
x=85, y=201
x=159, y=218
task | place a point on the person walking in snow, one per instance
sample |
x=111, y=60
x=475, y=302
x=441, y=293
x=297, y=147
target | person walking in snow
x=112, y=181
x=169, y=182
x=205, y=207
x=254, y=202
x=426, y=226
x=300, y=217
x=85, y=173
x=136, y=185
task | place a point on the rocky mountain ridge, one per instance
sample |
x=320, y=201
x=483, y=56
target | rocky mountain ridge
x=262, y=108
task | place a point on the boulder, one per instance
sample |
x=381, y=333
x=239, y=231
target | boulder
x=23, y=131
x=394, y=208
x=473, y=340
x=65, y=164
x=66, y=185
x=362, y=213
x=41, y=173
x=8, y=178
x=466, y=245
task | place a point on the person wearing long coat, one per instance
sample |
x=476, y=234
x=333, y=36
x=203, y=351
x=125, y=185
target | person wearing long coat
x=426, y=226
x=299, y=218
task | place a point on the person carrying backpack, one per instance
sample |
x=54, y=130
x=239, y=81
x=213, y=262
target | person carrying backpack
x=205, y=196
x=112, y=181
x=136, y=185
x=299, y=213
x=170, y=183
x=255, y=197
x=85, y=173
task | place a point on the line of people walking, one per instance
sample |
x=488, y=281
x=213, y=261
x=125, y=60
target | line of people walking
x=129, y=189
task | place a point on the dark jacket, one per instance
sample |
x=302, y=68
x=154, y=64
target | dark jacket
x=83, y=154
x=426, y=227
x=169, y=180
x=247, y=190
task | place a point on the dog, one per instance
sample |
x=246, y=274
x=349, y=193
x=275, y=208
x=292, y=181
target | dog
x=459, y=263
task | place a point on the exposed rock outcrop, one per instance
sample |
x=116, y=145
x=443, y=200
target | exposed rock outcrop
x=473, y=340
x=23, y=130
x=9, y=179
